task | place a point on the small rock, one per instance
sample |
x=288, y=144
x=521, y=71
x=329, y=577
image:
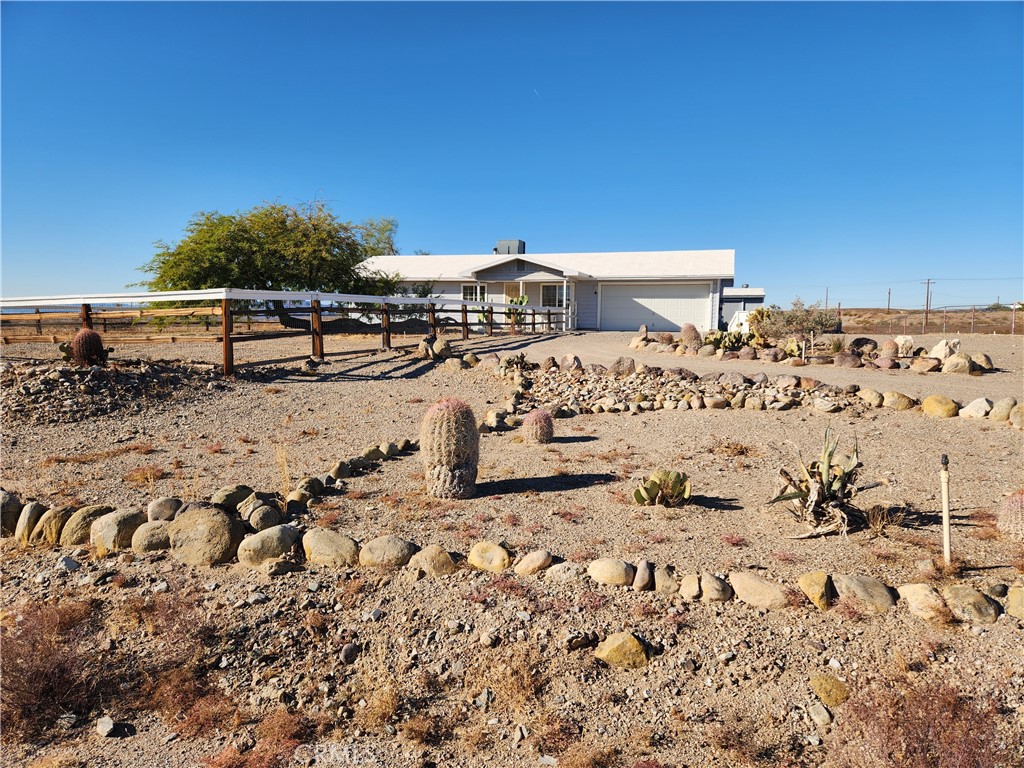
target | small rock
x=969, y=605
x=105, y=726
x=924, y=602
x=819, y=714
x=689, y=586
x=897, y=401
x=757, y=591
x=976, y=409
x=643, y=580
x=939, y=406
x=714, y=589
x=817, y=585
x=872, y=594
x=1001, y=409
x=323, y=546
x=534, y=562
x=270, y=544
x=624, y=650
x=164, y=508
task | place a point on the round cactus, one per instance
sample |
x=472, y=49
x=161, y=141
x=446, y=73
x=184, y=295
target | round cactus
x=1010, y=518
x=450, y=447
x=538, y=426
x=87, y=348
x=690, y=336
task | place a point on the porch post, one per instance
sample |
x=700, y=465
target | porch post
x=565, y=304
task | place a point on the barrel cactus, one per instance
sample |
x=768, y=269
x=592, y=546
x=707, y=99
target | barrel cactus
x=87, y=348
x=689, y=335
x=1010, y=518
x=664, y=487
x=450, y=447
x=538, y=426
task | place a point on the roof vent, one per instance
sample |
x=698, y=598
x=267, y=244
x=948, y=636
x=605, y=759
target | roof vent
x=511, y=246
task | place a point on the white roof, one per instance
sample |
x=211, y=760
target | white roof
x=620, y=265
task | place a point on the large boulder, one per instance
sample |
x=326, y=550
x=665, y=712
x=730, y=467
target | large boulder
x=905, y=345
x=976, y=409
x=897, y=401
x=10, y=510
x=205, y=535
x=434, y=561
x=925, y=364
x=151, y=536
x=488, y=556
x=386, y=552
x=79, y=525
x=969, y=605
x=48, y=529
x=869, y=593
x=27, y=521
x=608, y=570
x=1016, y=416
x=846, y=360
x=230, y=496
x=886, y=363
x=114, y=532
x=889, y=349
x=958, y=363
x=322, y=546
x=758, y=591
x=924, y=602
x=271, y=544
x=983, y=362
x=1001, y=409
x=164, y=508
x=623, y=366
x=939, y=406
x=772, y=355
x=945, y=349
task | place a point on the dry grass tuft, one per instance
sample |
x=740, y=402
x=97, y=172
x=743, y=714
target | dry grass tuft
x=145, y=476
x=734, y=540
x=883, y=516
x=143, y=449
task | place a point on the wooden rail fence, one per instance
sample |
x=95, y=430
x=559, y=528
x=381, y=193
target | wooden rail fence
x=21, y=312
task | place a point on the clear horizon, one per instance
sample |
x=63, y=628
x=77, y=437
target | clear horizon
x=851, y=147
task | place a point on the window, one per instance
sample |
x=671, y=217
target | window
x=520, y=265
x=552, y=295
x=474, y=292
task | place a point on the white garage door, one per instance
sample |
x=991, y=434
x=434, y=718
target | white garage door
x=662, y=306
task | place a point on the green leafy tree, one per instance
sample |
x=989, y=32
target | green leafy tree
x=279, y=248
x=275, y=247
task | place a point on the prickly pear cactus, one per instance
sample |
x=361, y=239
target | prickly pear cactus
x=1010, y=518
x=450, y=448
x=666, y=488
x=539, y=426
x=87, y=348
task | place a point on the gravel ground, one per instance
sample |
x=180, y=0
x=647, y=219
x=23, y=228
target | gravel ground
x=569, y=497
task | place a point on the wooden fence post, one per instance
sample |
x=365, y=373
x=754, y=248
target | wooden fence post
x=316, y=328
x=227, y=329
x=465, y=323
x=431, y=320
x=533, y=321
x=550, y=326
x=490, y=321
x=385, y=326
x=87, y=316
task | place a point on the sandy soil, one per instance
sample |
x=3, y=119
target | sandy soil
x=568, y=497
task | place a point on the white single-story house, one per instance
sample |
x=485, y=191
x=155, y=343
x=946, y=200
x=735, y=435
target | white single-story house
x=603, y=291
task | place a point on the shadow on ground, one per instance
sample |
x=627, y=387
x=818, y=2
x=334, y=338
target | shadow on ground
x=543, y=484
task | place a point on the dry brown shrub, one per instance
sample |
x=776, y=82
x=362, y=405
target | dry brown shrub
x=913, y=723
x=734, y=540
x=277, y=737
x=585, y=756
x=57, y=761
x=94, y=456
x=730, y=449
x=591, y=600
x=422, y=729
x=382, y=698
x=553, y=733
x=513, y=673
x=47, y=667
x=742, y=743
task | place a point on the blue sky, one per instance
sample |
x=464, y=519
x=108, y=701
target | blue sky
x=855, y=146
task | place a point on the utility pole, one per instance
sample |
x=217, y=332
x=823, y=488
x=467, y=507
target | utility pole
x=888, y=301
x=826, y=297
x=927, y=302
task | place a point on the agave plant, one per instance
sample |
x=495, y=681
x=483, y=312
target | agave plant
x=664, y=487
x=822, y=495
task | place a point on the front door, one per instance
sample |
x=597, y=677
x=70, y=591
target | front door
x=511, y=291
